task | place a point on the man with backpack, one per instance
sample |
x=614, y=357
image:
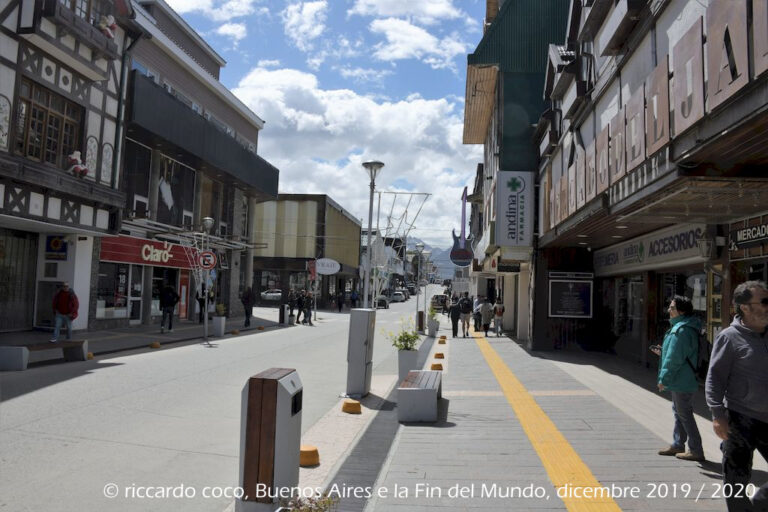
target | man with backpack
x=679, y=354
x=465, y=306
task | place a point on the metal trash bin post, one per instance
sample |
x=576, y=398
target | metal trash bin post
x=270, y=438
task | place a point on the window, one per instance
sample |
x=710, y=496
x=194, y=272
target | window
x=220, y=124
x=112, y=291
x=176, y=193
x=89, y=10
x=137, y=167
x=48, y=126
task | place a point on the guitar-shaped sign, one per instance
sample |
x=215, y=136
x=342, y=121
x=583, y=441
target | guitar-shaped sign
x=461, y=254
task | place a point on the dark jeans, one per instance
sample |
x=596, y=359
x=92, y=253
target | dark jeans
x=167, y=313
x=477, y=318
x=455, y=326
x=685, y=425
x=248, y=315
x=745, y=434
x=308, y=316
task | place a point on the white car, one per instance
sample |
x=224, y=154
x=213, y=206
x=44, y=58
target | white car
x=273, y=295
x=398, y=297
x=382, y=302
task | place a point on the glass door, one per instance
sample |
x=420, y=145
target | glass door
x=134, y=297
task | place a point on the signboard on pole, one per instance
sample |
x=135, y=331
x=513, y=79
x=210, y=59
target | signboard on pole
x=327, y=266
x=312, y=268
x=207, y=260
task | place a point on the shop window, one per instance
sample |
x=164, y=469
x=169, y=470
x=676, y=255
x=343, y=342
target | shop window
x=112, y=291
x=176, y=191
x=48, y=126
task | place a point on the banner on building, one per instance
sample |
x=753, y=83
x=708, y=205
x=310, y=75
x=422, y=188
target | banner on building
x=514, y=209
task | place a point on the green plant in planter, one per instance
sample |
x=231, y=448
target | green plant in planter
x=221, y=310
x=432, y=313
x=323, y=503
x=406, y=338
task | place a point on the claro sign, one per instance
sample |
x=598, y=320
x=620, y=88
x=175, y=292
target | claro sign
x=665, y=248
x=140, y=251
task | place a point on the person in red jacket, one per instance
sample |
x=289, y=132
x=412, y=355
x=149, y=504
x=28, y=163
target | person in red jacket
x=65, y=306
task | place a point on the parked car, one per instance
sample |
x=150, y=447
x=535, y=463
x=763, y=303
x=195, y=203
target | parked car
x=398, y=297
x=411, y=288
x=382, y=301
x=438, y=302
x=273, y=295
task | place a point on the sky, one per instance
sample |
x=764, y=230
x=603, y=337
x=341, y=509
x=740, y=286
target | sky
x=341, y=82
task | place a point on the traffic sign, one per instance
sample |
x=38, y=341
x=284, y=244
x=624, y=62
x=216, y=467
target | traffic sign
x=207, y=259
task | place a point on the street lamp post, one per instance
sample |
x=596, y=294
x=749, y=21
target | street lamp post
x=207, y=226
x=419, y=250
x=373, y=168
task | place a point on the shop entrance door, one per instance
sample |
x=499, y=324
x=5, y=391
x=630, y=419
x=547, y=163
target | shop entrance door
x=18, y=268
x=134, y=297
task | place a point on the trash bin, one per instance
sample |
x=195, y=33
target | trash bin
x=270, y=437
x=284, y=314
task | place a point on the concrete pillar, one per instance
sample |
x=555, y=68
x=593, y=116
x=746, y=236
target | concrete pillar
x=510, y=303
x=523, y=304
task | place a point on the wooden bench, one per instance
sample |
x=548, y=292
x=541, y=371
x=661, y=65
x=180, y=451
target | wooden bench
x=418, y=394
x=16, y=357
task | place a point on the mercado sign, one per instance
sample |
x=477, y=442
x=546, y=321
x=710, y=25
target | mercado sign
x=667, y=247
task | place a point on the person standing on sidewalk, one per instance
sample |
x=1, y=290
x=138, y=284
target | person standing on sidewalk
x=454, y=313
x=308, y=308
x=465, y=305
x=486, y=314
x=65, y=306
x=201, y=291
x=340, y=300
x=498, y=315
x=247, y=300
x=168, y=300
x=736, y=386
x=679, y=355
x=476, y=313
x=300, y=305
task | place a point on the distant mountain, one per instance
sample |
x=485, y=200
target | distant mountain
x=440, y=257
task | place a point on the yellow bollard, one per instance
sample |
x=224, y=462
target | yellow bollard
x=351, y=406
x=261, y=327
x=89, y=356
x=439, y=355
x=436, y=366
x=154, y=344
x=441, y=341
x=235, y=332
x=308, y=456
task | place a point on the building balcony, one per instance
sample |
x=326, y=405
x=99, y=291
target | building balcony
x=619, y=24
x=162, y=120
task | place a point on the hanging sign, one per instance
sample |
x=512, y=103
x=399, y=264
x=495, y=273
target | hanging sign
x=514, y=209
x=327, y=266
x=461, y=254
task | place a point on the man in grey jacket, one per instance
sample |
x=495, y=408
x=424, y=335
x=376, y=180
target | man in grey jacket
x=736, y=393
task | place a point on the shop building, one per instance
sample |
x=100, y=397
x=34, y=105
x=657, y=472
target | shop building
x=62, y=81
x=503, y=102
x=190, y=153
x=649, y=174
x=294, y=231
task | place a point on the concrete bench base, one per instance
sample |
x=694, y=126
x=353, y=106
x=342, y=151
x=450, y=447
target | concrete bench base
x=417, y=396
x=16, y=358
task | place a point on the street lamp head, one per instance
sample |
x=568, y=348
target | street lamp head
x=419, y=247
x=207, y=224
x=373, y=168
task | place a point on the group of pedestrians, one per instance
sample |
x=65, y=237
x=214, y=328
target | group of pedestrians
x=478, y=309
x=735, y=389
x=301, y=302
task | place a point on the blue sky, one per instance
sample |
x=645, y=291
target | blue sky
x=339, y=82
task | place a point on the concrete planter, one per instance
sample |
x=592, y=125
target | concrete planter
x=406, y=362
x=219, y=324
x=432, y=327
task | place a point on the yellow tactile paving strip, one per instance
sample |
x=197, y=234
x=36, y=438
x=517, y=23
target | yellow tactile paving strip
x=560, y=460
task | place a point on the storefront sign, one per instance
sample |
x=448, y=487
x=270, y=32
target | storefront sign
x=327, y=266
x=570, y=298
x=667, y=247
x=748, y=237
x=128, y=249
x=514, y=209
x=55, y=247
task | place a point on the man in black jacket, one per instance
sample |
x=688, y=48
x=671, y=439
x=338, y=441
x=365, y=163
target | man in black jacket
x=168, y=300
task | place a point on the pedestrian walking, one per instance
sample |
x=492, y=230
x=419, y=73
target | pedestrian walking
x=736, y=393
x=486, y=314
x=465, y=305
x=340, y=300
x=353, y=298
x=476, y=303
x=65, y=307
x=679, y=355
x=308, y=309
x=498, y=316
x=291, y=301
x=200, y=296
x=300, y=305
x=247, y=300
x=168, y=300
x=454, y=313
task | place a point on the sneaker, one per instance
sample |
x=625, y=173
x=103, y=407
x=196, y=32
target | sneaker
x=693, y=457
x=53, y=340
x=671, y=450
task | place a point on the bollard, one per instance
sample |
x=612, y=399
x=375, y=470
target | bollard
x=439, y=355
x=270, y=438
x=436, y=366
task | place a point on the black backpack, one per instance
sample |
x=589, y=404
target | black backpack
x=465, y=305
x=701, y=367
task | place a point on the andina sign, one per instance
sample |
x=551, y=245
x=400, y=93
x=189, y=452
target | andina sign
x=514, y=204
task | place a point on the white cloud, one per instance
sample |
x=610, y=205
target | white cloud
x=427, y=12
x=360, y=75
x=268, y=63
x=236, y=31
x=319, y=137
x=407, y=41
x=305, y=21
x=219, y=10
